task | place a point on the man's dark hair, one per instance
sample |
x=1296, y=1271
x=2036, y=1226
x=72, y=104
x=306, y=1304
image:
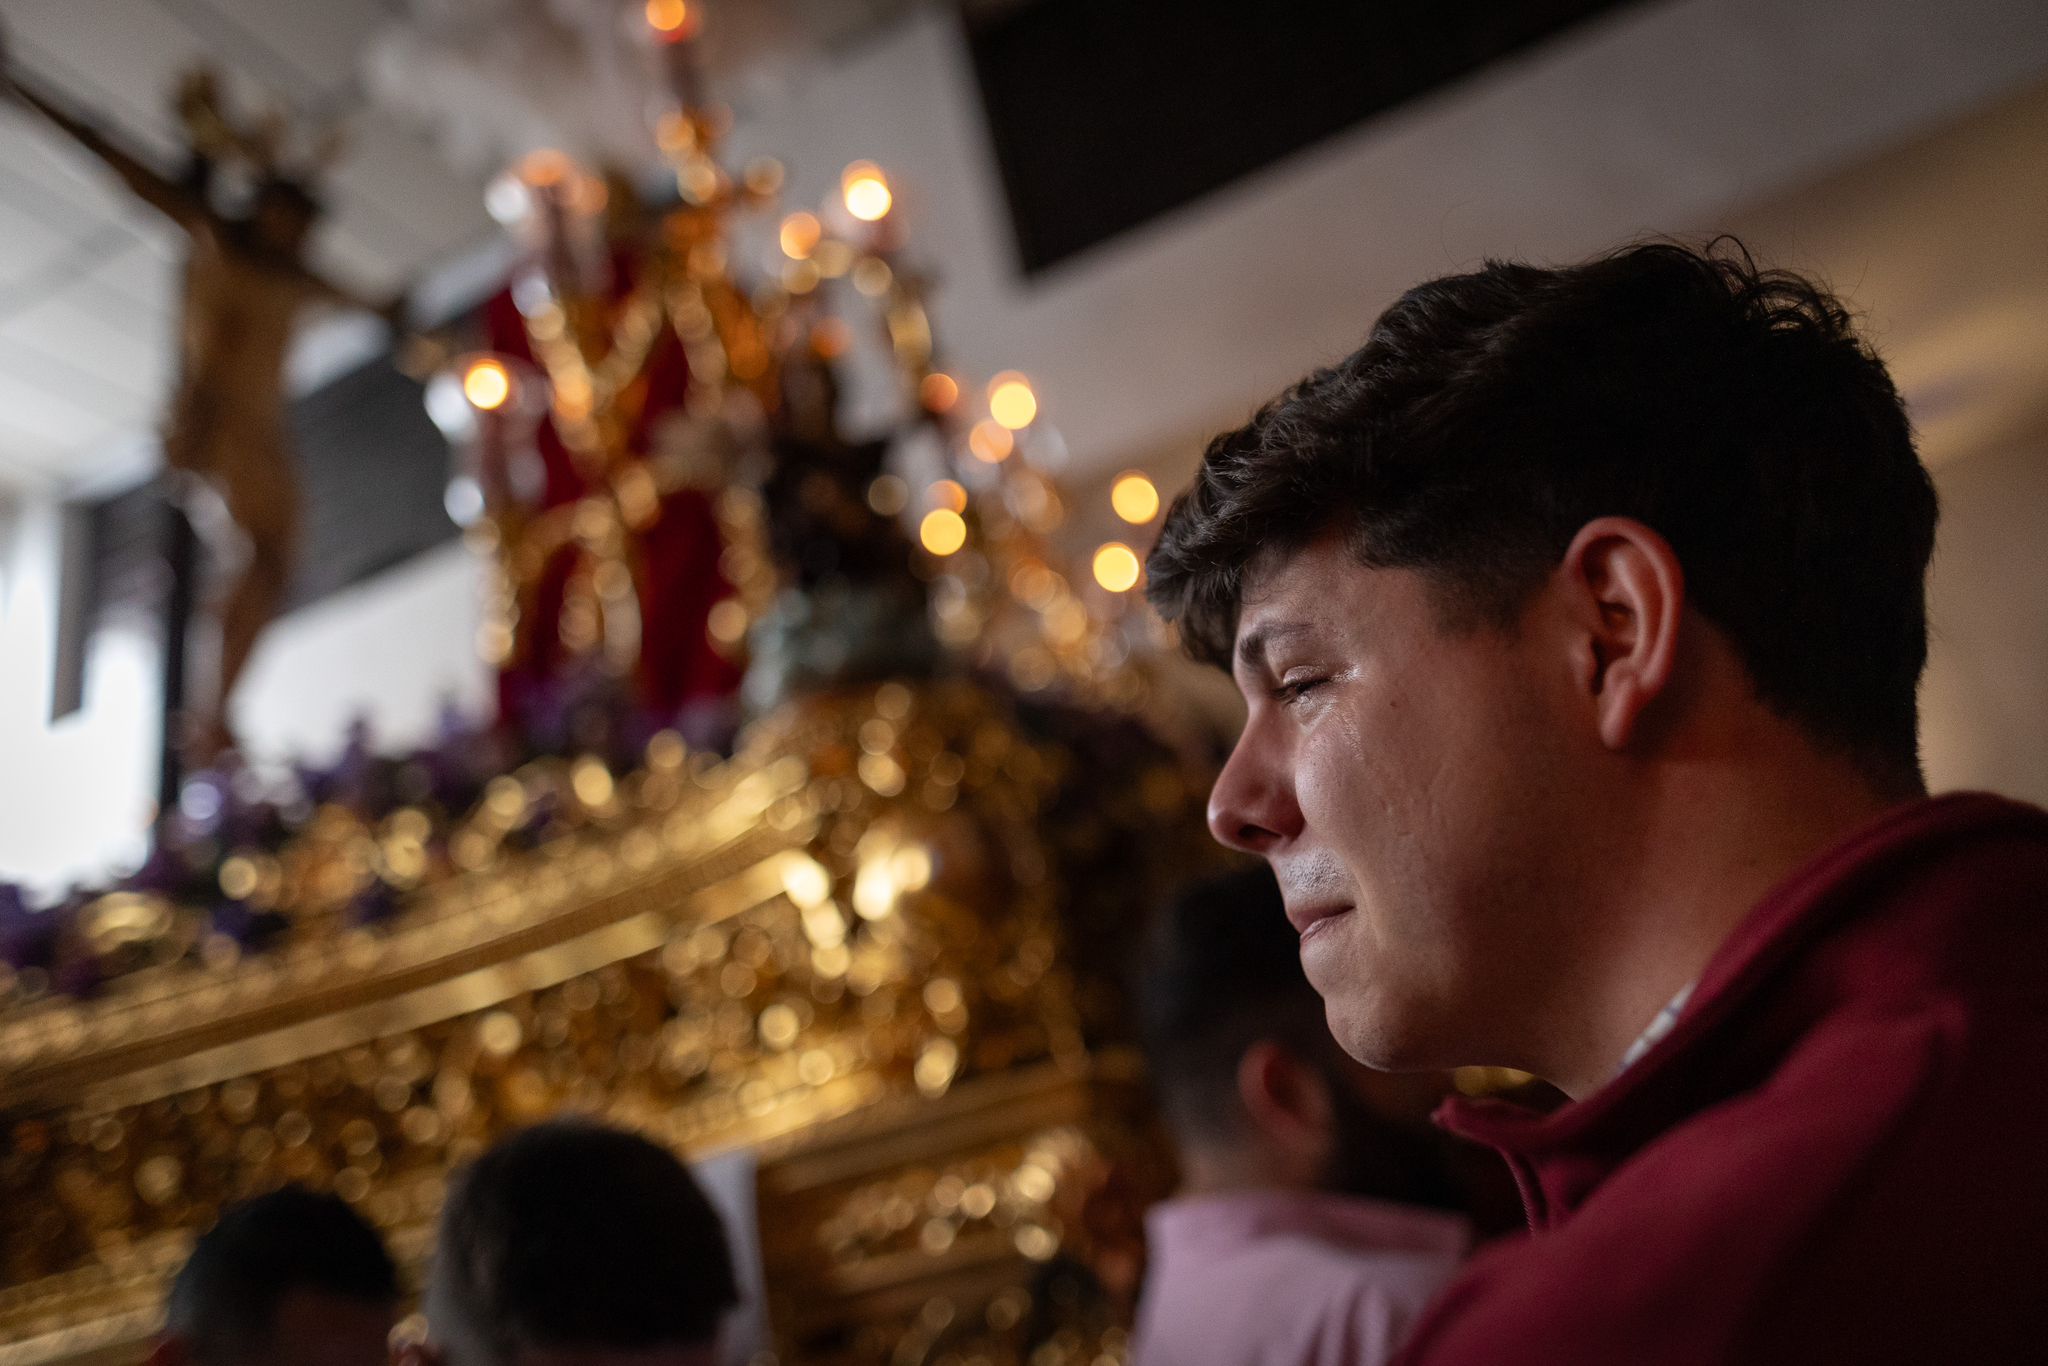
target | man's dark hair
x=223, y=1304
x=1491, y=415
x=572, y=1234
x=1220, y=970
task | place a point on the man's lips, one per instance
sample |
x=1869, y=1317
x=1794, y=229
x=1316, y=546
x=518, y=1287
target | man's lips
x=1306, y=918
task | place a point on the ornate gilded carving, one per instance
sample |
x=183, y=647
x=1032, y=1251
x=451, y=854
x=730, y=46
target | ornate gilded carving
x=879, y=947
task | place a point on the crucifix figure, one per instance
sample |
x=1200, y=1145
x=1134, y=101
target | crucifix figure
x=224, y=429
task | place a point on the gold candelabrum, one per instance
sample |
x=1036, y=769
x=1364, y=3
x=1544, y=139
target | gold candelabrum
x=762, y=331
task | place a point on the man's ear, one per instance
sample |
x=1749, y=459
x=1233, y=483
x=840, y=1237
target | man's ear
x=168, y=1351
x=1627, y=591
x=1286, y=1100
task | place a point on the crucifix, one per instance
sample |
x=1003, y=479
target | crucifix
x=224, y=433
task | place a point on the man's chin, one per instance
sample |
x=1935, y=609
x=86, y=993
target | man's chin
x=1380, y=1035
x=1373, y=1019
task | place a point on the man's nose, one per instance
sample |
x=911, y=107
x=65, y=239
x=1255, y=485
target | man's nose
x=1250, y=808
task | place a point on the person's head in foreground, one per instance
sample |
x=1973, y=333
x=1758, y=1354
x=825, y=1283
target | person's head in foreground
x=1257, y=1094
x=573, y=1244
x=289, y=1277
x=1573, y=611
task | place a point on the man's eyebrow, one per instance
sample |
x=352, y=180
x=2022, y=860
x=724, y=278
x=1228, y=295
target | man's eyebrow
x=1252, y=646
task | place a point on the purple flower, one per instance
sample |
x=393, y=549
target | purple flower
x=247, y=926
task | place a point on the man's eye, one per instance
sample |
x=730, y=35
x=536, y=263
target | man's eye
x=1293, y=691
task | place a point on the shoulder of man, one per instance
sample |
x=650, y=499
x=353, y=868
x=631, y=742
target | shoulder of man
x=1876, y=1200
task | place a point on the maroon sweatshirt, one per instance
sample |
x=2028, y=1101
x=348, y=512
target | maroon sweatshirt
x=1836, y=1155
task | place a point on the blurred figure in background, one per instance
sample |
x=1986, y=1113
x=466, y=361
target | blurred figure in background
x=289, y=1277
x=573, y=1244
x=1316, y=1214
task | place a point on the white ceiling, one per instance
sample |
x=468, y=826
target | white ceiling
x=1942, y=235
x=88, y=276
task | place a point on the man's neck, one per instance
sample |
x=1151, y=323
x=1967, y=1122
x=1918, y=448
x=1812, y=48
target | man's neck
x=1707, y=848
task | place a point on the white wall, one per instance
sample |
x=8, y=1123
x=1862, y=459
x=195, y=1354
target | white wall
x=1984, y=705
x=74, y=796
x=397, y=649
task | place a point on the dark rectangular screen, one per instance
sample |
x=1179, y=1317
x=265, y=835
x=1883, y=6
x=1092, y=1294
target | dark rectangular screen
x=1107, y=113
x=371, y=466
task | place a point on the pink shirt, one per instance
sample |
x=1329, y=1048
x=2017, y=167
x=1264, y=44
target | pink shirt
x=1289, y=1278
